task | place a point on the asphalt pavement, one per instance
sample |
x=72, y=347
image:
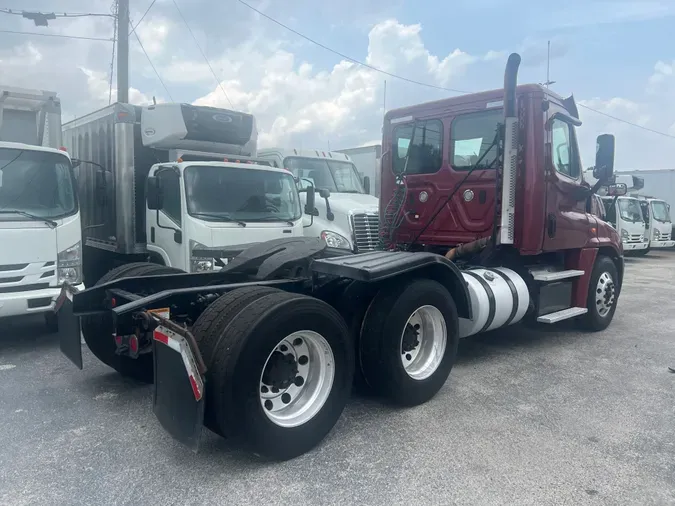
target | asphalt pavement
x=527, y=417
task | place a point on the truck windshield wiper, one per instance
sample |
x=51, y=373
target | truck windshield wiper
x=272, y=218
x=35, y=217
x=221, y=217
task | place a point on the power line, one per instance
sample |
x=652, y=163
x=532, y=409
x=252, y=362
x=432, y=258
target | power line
x=142, y=17
x=153, y=66
x=627, y=122
x=57, y=35
x=204, y=55
x=420, y=83
x=353, y=60
x=5, y=10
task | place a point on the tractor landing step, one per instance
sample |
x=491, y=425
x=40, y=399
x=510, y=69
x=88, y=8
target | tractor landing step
x=565, y=314
x=545, y=275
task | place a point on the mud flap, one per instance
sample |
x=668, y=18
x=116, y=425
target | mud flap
x=178, y=398
x=70, y=336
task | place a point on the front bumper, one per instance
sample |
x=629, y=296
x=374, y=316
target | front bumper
x=31, y=301
x=662, y=244
x=634, y=246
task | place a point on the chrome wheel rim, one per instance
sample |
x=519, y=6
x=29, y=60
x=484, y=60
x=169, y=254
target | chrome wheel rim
x=297, y=378
x=605, y=294
x=423, y=342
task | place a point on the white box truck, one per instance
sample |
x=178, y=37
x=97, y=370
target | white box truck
x=367, y=160
x=175, y=184
x=40, y=231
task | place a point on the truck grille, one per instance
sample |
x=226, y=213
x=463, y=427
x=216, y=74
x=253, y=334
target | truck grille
x=635, y=238
x=25, y=277
x=665, y=236
x=365, y=227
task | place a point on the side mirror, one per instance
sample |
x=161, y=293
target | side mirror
x=617, y=190
x=366, y=184
x=324, y=193
x=311, y=201
x=154, y=195
x=604, y=157
x=75, y=162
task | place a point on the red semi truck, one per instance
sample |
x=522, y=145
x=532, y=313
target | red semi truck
x=485, y=224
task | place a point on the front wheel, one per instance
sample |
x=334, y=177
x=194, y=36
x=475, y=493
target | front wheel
x=409, y=341
x=603, y=293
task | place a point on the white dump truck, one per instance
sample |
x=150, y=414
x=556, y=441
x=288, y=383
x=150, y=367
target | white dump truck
x=176, y=184
x=40, y=231
x=346, y=215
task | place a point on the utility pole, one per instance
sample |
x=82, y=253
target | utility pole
x=123, y=51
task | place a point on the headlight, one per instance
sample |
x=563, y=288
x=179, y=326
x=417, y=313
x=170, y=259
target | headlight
x=657, y=234
x=624, y=234
x=200, y=263
x=69, y=265
x=334, y=240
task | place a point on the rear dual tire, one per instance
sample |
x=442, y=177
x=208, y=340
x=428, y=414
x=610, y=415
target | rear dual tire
x=409, y=341
x=256, y=343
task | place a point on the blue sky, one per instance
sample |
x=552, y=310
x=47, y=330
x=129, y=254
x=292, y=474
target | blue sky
x=613, y=56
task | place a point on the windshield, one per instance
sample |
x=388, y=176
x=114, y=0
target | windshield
x=38, y=183
x=241, y=194
x=660, y=211
x=630, y=210
x=339, y=177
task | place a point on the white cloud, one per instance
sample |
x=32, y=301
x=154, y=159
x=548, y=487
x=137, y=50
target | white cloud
x=295, y=103
x=99, y=90
x=310, y=104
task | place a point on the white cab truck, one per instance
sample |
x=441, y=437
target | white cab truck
x=656, y=213
x=655, y=210
x=175, y=184
x=40, y=231
x=346, y=216
x=658, y=184
x=625, y=215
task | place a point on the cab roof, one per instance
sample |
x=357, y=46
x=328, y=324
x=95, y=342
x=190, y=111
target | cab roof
x=304, y=153
x=469, y=101
x=32, y=147
x=230, y=165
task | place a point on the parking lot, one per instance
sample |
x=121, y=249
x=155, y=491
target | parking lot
x=528, y=417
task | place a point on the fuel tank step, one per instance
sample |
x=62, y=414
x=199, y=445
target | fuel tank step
x=565, y=314
x=550, y=275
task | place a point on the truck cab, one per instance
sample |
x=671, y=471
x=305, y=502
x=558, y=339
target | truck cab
x=625, y=215
x=40, y=231
x=495, y=178
x=658, y=225
x=196, y=210
x=346, y=216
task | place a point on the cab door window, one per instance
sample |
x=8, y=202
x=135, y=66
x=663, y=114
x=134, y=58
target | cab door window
x=420, y=146
x=563, y=149
x=171, y=194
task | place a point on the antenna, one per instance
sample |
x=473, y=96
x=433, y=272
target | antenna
x=548, y=67
x=384, y=101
